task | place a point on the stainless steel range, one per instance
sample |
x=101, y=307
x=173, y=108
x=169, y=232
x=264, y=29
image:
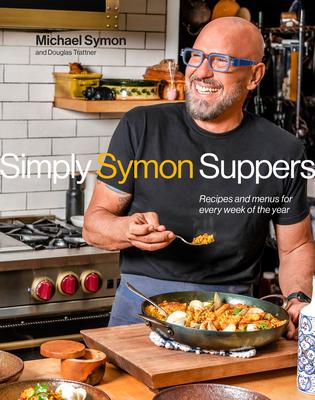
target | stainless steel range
x=51, y=282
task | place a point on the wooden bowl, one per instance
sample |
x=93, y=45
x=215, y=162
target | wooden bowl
x=12, y=391
x=11, y=367
x=208, y=391
x=89, y=368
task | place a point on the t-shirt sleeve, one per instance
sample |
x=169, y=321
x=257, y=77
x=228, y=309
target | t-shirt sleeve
x=293, y=205
x=116, y=168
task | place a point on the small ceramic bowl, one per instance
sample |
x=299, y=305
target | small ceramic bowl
x=89, y=368
x=11, y=367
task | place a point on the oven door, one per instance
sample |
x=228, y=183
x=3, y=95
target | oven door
x=24, y=336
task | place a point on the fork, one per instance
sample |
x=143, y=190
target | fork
x=190, y=243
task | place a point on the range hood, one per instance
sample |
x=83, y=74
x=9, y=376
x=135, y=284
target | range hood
x=59, y=15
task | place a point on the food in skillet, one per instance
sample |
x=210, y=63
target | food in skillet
x=205, y=238
x=214, y=315
x=65, y=391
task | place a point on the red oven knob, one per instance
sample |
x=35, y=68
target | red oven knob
x=43, y=288
x=68, y=283
x=91, y=281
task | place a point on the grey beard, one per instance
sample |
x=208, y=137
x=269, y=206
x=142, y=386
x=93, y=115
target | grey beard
x=203, y=111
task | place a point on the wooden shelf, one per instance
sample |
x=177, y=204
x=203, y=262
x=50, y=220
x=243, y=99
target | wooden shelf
x=104, y=106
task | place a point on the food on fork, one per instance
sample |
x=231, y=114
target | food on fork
x=205, y=238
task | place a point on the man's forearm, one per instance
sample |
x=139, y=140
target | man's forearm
x=105, y=230
x=296, y=270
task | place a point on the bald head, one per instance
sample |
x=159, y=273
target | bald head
x=231, y=35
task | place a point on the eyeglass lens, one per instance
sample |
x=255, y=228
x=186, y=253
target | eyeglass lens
x=195, y=59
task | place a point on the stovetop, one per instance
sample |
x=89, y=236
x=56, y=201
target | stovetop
x=47, y=250
x=44, y=234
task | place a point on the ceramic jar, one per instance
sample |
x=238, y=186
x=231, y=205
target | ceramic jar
x=171, y=93
x=77, y=362
x=89, y=369
x=306, y=348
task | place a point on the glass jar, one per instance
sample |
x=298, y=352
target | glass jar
x=267, y=284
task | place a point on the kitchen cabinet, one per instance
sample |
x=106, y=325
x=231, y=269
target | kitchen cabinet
x=104, y=106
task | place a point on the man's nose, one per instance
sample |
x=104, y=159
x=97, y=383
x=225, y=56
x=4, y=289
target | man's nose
x=204, y=70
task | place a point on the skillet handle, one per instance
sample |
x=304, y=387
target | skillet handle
x=278, y=296
x=151, y=322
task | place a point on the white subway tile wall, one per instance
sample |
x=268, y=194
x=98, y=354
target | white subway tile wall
x=28, y=73
x=75, y=145
x=29, y=147
x=14, y=201
x=9, y=55
x=86, y=159
x=37, y=200
x=18, y=38
x=155, y=40
x=30, y=110
x=122, y=22
x=59, y=113
x=149, y=23
x=102, y=56
x=134, y=6
x=51, y=129
x=104, y=143
x=41, y=91
x=97, y=127
x=18, y=213
x=56, y=56
x=156, y=7
x=13, y=92
x=143, y=57
x=21, y=184
x=30, y=125
x=123, y=73
x=13, y=129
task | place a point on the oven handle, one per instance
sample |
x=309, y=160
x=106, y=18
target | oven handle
x=23, y=324
x=29, y=343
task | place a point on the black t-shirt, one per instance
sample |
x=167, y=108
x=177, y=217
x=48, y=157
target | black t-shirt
x=190, y=206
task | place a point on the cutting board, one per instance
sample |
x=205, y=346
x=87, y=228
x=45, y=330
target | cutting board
x=130, y=348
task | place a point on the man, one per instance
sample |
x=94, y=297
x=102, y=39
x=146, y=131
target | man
x=139, y=214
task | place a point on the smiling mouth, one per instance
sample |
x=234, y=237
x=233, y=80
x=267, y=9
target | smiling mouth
x=205, y=89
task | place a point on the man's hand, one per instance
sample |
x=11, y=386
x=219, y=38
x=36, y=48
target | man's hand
x=145, y=232
x=294, y=310
x=106, y=226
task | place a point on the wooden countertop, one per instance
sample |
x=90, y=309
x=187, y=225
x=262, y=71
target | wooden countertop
x=277, y=385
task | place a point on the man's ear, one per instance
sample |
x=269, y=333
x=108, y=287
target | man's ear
x=258, y=71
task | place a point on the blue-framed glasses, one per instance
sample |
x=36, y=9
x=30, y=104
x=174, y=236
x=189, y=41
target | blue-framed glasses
x=217, y=62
